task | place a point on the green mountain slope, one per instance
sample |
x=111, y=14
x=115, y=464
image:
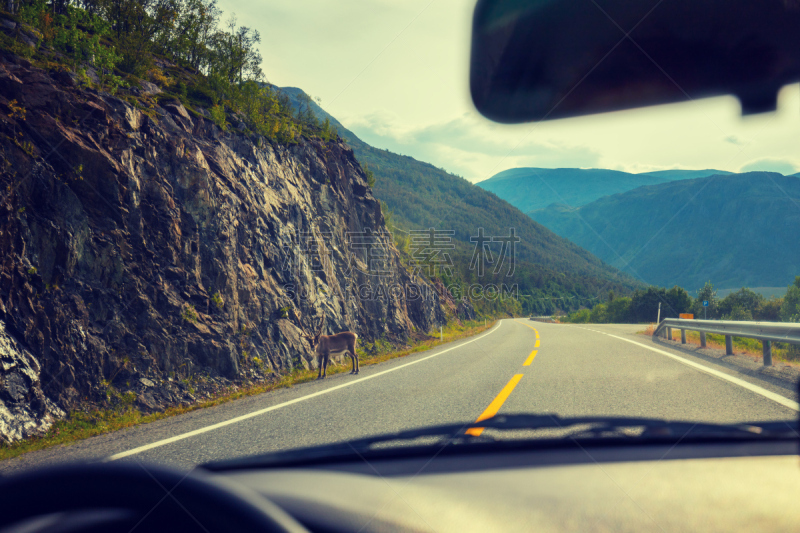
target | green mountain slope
x=529, y=189
x=422, y=196
x=737, y=231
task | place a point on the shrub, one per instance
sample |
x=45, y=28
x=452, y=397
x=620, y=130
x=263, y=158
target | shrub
x=790, y=309
x=644, y=305
x=158, y=77
x=165, y=97
x=678, y=301
x=599, y=314
x=770, y=310
x=328, y=131
x=581, y=316
x=619, y=310
x=189, y=313
x=738, y=313
x=219, y=117
x=370, y=176
x=742, y=303
x=200, y=95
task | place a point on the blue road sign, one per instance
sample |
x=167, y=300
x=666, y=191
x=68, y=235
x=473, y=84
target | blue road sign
x=705, y=303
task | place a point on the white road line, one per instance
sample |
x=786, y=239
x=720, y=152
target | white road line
x=786, y=402
x=212, y=427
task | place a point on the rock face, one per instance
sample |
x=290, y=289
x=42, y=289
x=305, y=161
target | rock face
x=24, y=409
x=139, y=251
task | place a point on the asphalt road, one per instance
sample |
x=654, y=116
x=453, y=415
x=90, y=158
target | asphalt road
x=592, y=370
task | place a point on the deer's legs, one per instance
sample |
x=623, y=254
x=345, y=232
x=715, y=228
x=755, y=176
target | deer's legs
x=325, y=359
x=356, y=366
x=321, y=364
x=353, y=357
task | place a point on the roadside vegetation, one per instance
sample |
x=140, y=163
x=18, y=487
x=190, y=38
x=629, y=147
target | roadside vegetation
x=183, y=48
x=81, y=425
x=642, y=307
x=743, y=304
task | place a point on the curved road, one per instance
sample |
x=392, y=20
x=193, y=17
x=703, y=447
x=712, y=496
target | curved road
x=518, y=366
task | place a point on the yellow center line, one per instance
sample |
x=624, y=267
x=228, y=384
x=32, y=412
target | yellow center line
x=523, y=323
x=529, y=360
x=533, y=328
x=496, y=404
x=537, y=344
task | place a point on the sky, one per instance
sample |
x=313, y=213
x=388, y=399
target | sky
x=396, y=74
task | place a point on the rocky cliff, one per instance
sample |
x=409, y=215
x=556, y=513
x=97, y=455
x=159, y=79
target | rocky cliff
x=147, y=254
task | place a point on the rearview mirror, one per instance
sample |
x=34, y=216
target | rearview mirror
x=545, y=59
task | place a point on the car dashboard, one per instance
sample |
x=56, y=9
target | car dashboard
x=750, y=486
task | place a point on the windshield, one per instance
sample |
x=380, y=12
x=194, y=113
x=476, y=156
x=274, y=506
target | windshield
x=234, y=228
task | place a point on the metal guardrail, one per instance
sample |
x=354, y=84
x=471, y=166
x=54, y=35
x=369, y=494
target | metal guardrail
x=542, y=319
x=767, y=332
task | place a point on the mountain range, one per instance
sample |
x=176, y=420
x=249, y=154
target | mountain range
x=736, y=230
x=529, y=189
x=670, y=227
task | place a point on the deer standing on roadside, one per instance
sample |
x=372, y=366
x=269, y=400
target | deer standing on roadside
x=333, y=344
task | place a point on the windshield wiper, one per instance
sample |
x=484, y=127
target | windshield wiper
x=591, y=427
x=579, y=429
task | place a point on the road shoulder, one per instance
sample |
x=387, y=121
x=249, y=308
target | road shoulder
x=780, y=378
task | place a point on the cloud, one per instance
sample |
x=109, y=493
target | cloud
x=734, y=140
x=781, y=166
x=468, y=145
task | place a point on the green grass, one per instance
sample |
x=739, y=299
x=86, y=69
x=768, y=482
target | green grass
x=81, y=425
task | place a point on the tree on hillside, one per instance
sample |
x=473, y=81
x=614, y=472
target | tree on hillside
x=599, y=314
x=619, y=311
x=678, y=301
x=582, y=316
x=218, y=69
x=738, y=312
x=235, y=55
x=770, y=310
x=187, y=40
x=707, y=293
x=743, y=304
x=184, y=31
x=644, y=303
x=137, y=26
x=790, y=310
